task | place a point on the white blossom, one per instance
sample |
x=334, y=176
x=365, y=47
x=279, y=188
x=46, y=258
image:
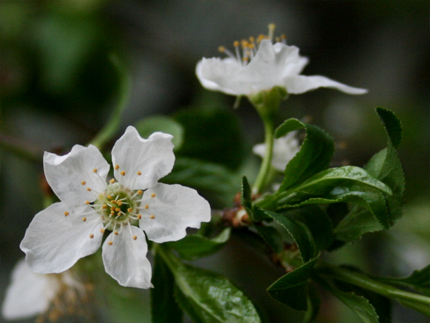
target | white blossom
x=261, y=69
x=284, y=149
x=74, y=228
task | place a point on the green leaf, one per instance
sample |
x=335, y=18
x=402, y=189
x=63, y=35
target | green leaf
x=164, y=308
x=292, y=288
x=314, y=156
x=299, y=232
x=272, y=237
x=149, y=125
x=314, y=304
x=418, y=280
x=209, y=297
x=213, y=135
x=392, y=125
x=361, y=306
x=196, y=246
x=201, y=176
x=318, y=223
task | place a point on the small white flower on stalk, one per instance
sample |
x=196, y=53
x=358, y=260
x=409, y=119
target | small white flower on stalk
x=30, y=294
x=284, y=149
x=259, y=65
x=73, y=228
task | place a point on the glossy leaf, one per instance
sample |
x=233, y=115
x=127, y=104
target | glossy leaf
x=164, y=308
x=314, y=156
x=196, y=246
x=147, y=126
x=212, y=135
x=299, y=232
x=391, y=124
x=361, y=306
x=292, y=288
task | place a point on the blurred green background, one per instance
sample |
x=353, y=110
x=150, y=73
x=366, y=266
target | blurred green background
x=58, y=87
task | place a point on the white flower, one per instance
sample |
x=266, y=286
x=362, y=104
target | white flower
x=73, y=228
x=284, y=149
x=30, y=294
x=270, y=65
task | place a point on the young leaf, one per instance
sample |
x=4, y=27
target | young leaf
x=361, y=306
x=299, y=232
x=196, y=246
x=147, y=126
x=164, y=308
x=292, y=288
x=314, y=156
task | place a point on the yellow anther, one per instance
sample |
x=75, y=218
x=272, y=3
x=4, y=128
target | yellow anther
x=112, y=208
x=89, y=189
x=87, y=202
x=112, y=181
x=139, y=173
x=102, y=230
x=84, y=219
x=283, y=36
x=146, y=206
x=134, y=237
x=130, y=209
x=110, y=197
x=110, y=243
x=236, y=43
x=245, y=59
x=271, y=31
x=139, y=216
x=112, y=212
x=91, y=236
x=221, y=49
x=139, y=192
x=244, y=43
x=116, y=166
x=113, y=202
x=95, y=170
x=153, y=195
x=119, y=203
x=260, y=38
x=251, y=39
x=116, y=232
x=117, y=209
x=122, y=173
x=83, y=182
x=152, y=216
x=66, y=213
x=104, y=207
x=251, y=46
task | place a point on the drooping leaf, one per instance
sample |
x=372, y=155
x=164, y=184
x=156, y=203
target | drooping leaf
x=212, y=135
x=314, y=156
x=147, y=126
x=202, y=175
x=164, y=308
x=299, y=232
x=196, y=246
x=211, y=298
x=360, y=305
x=292, y=288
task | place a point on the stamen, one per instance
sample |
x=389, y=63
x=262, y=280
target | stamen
x=102, y=230
x=84, y=219
x=87, y=202
x=153, y=195
x=134, y=237
x=91, y=236
x=152, y=216
x=130, y=210
x=89, y=189
x=146, y=206
x=83, y=182
x=112, y=181
x=116, y=232
x=139, y=173
x=104, y=207
x=224, y=50
x=95, y=170
x=110, y=243
x=116, y=166
x=66, y=213
x=271, y=31
x=139, y=216
x=122, y=173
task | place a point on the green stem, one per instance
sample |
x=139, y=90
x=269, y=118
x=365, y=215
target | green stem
x=111, y=127
x=267, y=159
x=361, y=280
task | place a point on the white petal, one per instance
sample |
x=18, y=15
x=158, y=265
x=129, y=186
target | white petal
x=300, y=84
x=28, y=294
x=125, y=260
x=174, y=208
x=152, y=158
x=54, y=242
x=72, y=175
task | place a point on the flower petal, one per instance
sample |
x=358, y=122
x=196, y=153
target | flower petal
x=125, y=259
x=54, y=242
x=78, y=176
x=174, y=208
x=140, y=163
x=28, y=294
x=300, y=84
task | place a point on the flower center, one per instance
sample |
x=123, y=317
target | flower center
x=246, y=49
